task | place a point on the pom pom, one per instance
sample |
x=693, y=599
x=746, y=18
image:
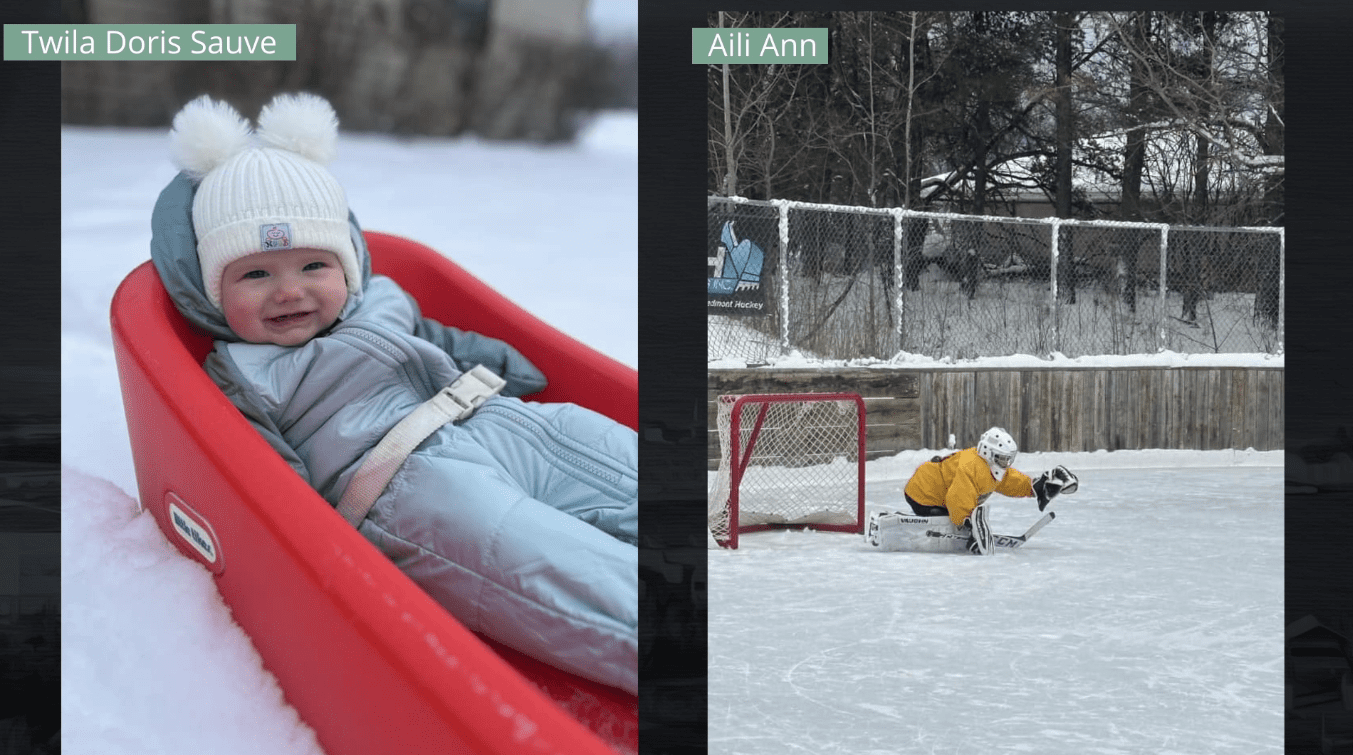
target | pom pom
x=205, y=134
x=300, y=123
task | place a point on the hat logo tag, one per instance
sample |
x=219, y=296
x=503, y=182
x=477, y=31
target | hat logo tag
x=275, y=236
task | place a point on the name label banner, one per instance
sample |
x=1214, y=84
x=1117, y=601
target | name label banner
x=50, y=42
x=759, y=46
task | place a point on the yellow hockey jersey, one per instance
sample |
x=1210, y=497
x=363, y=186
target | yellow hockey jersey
x=962, y=481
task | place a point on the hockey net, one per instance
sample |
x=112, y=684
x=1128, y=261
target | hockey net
x=788, y=460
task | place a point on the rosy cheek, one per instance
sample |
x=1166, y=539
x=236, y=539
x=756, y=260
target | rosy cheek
x=236, y=309
x=233, y=319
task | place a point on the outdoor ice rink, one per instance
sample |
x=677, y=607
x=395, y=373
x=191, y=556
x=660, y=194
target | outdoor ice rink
x=1148, y=618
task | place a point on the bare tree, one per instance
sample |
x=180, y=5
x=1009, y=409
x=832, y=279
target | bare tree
x=1183, y=111
x=1208, y=74
x=1274, y=117
x=749, y=106
x=1063, y=21
x=1134, y=156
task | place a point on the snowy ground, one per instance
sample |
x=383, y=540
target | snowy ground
x=151, y=661
x=1147, y=618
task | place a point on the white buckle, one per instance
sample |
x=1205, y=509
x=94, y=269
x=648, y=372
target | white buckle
x=472, y=389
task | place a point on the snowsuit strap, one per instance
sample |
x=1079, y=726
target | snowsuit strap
x=451, y=404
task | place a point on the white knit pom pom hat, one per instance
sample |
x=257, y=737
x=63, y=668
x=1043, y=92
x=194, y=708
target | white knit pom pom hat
x=272, y=195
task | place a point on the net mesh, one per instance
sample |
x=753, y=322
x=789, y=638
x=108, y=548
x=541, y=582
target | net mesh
x=804, y=467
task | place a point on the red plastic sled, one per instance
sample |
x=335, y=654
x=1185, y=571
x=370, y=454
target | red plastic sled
x=369, y=661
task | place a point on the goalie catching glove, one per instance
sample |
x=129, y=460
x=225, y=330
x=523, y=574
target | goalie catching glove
x=1052, y=483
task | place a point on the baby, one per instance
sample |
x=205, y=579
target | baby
x=520, y=518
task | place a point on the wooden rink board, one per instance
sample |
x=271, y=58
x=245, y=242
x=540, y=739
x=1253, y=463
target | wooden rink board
x=1046, y=409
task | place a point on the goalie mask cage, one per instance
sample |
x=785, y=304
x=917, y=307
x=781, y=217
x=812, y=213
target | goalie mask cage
x=788, y=460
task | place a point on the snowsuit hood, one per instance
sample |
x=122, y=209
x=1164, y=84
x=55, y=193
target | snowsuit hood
x=173, y=250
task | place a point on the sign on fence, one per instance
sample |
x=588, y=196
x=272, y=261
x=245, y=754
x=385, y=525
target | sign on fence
x=735, y=267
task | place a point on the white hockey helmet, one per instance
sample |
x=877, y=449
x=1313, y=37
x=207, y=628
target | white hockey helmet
x=998, y=449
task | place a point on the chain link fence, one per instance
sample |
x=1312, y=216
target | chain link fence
x=834, y=282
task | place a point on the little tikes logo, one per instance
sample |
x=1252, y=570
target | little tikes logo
x=275, y=236
x=195, y=531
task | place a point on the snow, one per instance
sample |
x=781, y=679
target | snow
x=1132, y=623
x=614, y=19
x=151, y=660
x=796, y=359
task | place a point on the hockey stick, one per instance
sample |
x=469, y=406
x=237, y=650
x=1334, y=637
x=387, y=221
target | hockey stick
x=1038, y=525
x=1004, y=541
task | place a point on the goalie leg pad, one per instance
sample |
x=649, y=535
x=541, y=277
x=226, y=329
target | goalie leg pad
x=898, y=531
x=871, y=528
x=980, y=540
x=881, y=524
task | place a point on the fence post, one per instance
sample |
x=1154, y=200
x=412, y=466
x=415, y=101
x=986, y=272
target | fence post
x=1164, y=272
x=783, y=208
x=1282, y=287
x=1055, y=224
x=898, y=214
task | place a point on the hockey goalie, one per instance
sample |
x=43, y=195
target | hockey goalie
x=947, y=496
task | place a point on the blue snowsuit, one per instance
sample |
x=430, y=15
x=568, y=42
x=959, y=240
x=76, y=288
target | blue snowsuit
x=521, y=520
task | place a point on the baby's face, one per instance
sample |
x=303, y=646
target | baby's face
x=284, y=297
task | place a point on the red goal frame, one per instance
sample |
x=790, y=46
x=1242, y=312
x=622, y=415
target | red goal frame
x=739, y=459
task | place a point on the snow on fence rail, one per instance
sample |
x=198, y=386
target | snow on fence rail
x=841, y=282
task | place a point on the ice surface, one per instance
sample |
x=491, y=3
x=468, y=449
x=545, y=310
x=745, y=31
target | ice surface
x=1148, y=618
